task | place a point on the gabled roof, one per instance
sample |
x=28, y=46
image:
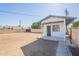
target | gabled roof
x=68, y=19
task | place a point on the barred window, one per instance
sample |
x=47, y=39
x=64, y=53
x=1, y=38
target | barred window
x=56, y=28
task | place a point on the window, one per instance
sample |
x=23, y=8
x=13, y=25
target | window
x=56, y=28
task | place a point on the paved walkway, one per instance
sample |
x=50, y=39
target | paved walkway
x=62, y=49
x=43, y=47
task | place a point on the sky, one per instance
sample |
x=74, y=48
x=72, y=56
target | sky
x=11, y=13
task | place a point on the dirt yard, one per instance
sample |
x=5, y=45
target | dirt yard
x=10, y=44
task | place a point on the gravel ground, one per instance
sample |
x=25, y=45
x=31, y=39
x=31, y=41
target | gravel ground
x=10, y=44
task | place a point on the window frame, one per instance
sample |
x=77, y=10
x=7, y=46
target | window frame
x=56, y=28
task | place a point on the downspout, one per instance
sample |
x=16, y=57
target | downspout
x=41, y=30
x=65, y=30
x=42, y=25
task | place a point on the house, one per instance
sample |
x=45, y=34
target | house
x=54, y=27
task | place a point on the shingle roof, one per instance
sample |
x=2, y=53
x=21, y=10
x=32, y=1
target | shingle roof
x=68, y=19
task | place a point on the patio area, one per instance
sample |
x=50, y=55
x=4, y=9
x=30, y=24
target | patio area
x=43, y=47
x=40, y=47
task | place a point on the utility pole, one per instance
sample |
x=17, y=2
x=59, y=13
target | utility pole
x=70, y=35
x=19, y=23
x=66, y=16
x=66, y=12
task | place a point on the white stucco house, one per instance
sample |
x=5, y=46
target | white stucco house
x=54, y=27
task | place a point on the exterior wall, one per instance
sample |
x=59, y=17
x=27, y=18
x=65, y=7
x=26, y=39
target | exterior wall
x=53, y=19
x=17, y=27
x=2, y=31
x=54, y=34
x=60, y=33
x=75, y=35
x=36, y=30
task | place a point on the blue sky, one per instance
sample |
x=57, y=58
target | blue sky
x=33, y=12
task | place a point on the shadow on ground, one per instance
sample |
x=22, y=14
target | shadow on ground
x=40, y=47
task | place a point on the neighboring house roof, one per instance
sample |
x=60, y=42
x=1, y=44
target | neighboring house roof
x=68, y=19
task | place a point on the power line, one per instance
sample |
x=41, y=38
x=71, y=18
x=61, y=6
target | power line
x=18, y=13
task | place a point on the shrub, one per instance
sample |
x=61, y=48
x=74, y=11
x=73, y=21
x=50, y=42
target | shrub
x=36, y=25
x=75, y=24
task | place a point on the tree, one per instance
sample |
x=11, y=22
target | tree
x=7, y=27
x=75, y=24
x=36, y=25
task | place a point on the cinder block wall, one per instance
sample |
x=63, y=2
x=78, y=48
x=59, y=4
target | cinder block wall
x=3, y=31
x=75, y=35
x=36, y=30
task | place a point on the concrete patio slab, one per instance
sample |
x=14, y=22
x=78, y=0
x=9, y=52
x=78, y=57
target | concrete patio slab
x=40, y=47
